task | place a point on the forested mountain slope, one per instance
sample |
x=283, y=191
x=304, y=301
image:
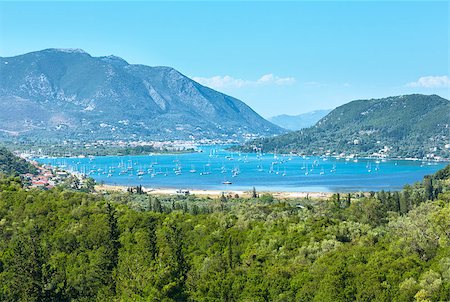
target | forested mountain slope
x=405, y=126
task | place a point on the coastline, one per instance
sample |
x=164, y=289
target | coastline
x=167, y=188
x=215, y=193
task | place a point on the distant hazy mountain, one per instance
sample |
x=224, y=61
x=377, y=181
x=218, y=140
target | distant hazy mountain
x=297, y=122
x=66, y=93
x=408, y=126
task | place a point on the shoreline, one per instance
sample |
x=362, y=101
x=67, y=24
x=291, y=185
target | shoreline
x=214, y=193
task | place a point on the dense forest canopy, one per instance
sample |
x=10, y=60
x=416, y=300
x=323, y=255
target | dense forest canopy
x=61, y=245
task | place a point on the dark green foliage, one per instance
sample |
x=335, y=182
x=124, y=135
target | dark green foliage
x=12, y=165
x=112, y=244
x=254, y=194
x=27, y=267
x=443, y=173
x=12, y=183
x=151, y=229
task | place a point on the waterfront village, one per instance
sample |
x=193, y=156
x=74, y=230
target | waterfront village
x=46, y=177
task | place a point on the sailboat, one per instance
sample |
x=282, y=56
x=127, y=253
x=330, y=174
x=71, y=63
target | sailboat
x=205, y=172
x=236, y=171
x=130, y=165
x=377, y=167
x=260, y=168
x=140, y=172
x=177, y=169
x=333, y=169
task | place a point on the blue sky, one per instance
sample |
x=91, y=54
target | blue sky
x=278, y=57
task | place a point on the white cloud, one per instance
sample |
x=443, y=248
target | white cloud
x=431, y=82
x=218, y=82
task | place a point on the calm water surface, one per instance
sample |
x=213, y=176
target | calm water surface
x=267, y=172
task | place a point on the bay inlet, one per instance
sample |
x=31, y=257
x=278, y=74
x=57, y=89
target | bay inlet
x=214, y=168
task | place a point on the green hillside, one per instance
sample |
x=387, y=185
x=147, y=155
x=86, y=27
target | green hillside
x=402, y=126
x=11, y=164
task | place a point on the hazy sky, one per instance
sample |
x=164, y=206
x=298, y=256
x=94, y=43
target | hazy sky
x=278, y=57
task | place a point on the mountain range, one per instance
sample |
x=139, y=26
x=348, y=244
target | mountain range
x=67, y=93
x=400, y=126
x=297, y=122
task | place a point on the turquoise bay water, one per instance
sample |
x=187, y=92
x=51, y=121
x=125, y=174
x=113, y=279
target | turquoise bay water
x=213, y=166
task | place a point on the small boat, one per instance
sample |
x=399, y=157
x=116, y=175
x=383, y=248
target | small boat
x=226, y=182
x=205, y=172
x=333, y=169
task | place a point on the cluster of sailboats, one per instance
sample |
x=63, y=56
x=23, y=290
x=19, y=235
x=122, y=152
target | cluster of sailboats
x=227, y=164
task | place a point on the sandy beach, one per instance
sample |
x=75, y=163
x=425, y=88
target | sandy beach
x=215, y=193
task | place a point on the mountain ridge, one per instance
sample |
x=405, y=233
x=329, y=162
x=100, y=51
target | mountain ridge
x=73, y=94
x=401, y=126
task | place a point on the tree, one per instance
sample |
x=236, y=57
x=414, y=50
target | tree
x=230, y=252
x=89, y=184
x=157, y=207
x=347, y=201
x=151, y=229
x=175, y=262
x=267, y=198
x=112, y=245
x=254, y=194
x=429, y=189
x=405, y=200
x=27, y=282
